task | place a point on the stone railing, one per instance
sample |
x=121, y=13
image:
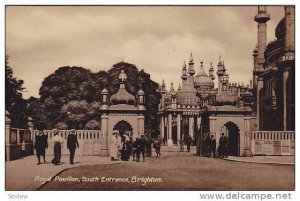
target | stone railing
x=18, y=142
x=91, y=142
x=273, y=142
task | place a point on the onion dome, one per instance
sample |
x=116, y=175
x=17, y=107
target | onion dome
x=202, y=81
x=224, y=98
x=187, y=95
x=141, y=93
x=122, y=96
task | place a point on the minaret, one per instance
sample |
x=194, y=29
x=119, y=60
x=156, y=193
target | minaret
x=289, y=38
x=211, y=72
x=173, y=96
x=163, y=93
x=184, y=75
x=191, y=66
x=221, y=72
x=261, y=18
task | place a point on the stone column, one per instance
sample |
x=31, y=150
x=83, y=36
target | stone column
x=141, y=120
x=260, y=85
x=30, y=128
x=7, y=135
x=178, y=128
x=32, y=135
x=284, y=93
x=105, y=142
x=212, y=128
x=170, y=141
x=162, y=128
x=191, y=127
x=247, y=143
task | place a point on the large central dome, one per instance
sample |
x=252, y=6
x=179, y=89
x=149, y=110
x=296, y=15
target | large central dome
x=202, y=81
x=122, y=96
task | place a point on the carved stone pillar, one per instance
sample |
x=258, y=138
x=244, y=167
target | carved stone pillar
x=178, y=128
x=162, y=128
x=170, y=141
x=191, y=127
x=247, y=132
x=285, y=97
x=105, y=144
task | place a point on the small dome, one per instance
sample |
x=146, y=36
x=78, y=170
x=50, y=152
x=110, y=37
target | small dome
x=141, y=92
x=122, y=97
x=104, y=91
x=203, y=81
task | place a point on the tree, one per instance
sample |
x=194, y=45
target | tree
x=14, y=102
x=70, y=96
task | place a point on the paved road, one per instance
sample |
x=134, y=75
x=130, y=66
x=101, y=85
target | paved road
x=176, y=172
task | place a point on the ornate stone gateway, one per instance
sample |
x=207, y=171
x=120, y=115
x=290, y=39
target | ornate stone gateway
x=122, y=111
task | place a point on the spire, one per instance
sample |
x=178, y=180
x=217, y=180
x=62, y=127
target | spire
x=191, y=70
x=163, y=86
x=261, y=18
x=211, y=71
x=179, y=87
x=191, y=57
x=184, y=75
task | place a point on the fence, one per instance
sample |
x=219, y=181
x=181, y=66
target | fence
x=91, y=142
x=273, y=142
x=18, y=142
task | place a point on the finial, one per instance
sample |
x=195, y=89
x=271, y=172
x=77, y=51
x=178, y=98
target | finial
x=163, y=83
x=191, y=57
x=122, y=76
x=179, y=87
x=184, y=64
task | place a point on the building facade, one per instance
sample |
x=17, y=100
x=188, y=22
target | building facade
x=274, y=73
x=199, y=109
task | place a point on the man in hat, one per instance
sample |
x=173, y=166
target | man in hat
x=188, y=142
x=57, y=140
x=157, y=145
x=212, y=146
x=72, y=142
x=140, y=149
x=40, y=145
x=223, y=146
x=115, y=145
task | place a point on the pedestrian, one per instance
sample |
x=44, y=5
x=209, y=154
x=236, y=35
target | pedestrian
x=223, y=146
x=57, y=140
x=188, y=142
x=41, y=143
x=212, y=146
x=72, y=143
x=156, y=146
x=134, y=147
x=141, y=145
x=126, y=148
x=181, y=142
x=148, y=141
x=115, y=145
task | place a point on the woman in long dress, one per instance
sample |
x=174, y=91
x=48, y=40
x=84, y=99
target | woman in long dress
x=115, y=145
x=57, y=140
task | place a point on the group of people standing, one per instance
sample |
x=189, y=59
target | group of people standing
x=210, y=146
x=123, y=147
x=41, y=144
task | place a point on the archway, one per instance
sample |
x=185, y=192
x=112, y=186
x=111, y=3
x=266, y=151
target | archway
x=123, y=126
x=232, y=131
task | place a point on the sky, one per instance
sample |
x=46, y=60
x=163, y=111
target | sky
x=158, y=39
